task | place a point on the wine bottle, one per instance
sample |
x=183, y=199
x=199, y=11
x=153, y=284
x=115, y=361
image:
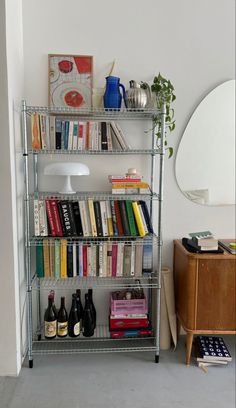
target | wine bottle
x=50, y=321
x=74, y=318
x=94, y=313
x=62, y=320
x=52, y=295
x=79, y=303
x=88, y=322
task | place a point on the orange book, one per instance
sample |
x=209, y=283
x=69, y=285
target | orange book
x=35, y=132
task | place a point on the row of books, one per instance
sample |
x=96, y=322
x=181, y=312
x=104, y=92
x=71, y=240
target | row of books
x=211, y=351
x=89, y=218
x=62, y=259
x=50, y=132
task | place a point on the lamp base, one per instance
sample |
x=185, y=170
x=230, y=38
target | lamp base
x=67, y=188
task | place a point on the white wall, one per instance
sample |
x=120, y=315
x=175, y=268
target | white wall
x=190, y=42
x=11, y=90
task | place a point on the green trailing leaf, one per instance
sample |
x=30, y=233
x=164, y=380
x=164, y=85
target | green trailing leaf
x=171, y=151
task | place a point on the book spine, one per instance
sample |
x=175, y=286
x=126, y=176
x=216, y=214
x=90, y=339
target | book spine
x=109, y=138
x=118, y=136
x=92, y=217
x=132, y=261
x=138, y=260
x=52, y=132
x=89, y=260
x=52, y=258
x=58, y=133
x=118, y=218
x=46, y=258
x=114, y=259
x=77, y=218
x=104, y=218
x=36, y=218
x=43, y=225
x=84, y=220
x=70, y=135
x=39, y=261
x=104, y=136
x=50, y=216
x=69, y=260
x=47, y=131
x=68, y=220
x=66, y=134
x=42, y=124
x=121, y=134
x=147, y=258
x=62, y=134
x=98, y=217
x=127, y=261
x=114, y=222
x=100, y=261
x=81, y=260
x=138, y=219
x=131, y=220
x=120, y=258
x=85, y=270
x=63, y=258
x=60, y=212
x=57, y=258
x=35, y=132
x=146, y=216
x=143, y=219
x=124, y=217
x=109, y=219
x=109, y=259
x=75, y=135
x=56, y=217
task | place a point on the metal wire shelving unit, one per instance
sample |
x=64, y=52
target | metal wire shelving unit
x=101, y=342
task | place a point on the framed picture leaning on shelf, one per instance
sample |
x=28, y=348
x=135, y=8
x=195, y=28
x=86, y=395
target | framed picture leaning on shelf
x=70, y=80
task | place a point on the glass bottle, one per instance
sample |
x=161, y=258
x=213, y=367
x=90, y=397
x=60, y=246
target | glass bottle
x=62, y=320
x=94, y=313
x=79, y=303
x=52, y=295
x=88, y=322
x=50, y=321
x=74, y=318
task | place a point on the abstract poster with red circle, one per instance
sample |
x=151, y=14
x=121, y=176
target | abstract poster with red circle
x=70, y=81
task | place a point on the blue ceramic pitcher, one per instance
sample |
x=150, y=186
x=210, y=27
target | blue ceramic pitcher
x=112, y=96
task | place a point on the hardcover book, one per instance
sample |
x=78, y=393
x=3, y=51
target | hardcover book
x=212, y=348
x=124, y=217
x=39, y=261
x=58, y=130
x=35, y=132
x=98, y=218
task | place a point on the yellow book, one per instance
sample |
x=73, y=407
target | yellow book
x=138, y=219
x=92, y=217
x=46, y=258
x=130, y=185
x=109, y=219
x=63, y=258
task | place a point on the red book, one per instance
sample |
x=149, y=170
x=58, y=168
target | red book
x=51, y=218
x=56, y=217
x=85, y=267
x=118, y=218
x=114, y=259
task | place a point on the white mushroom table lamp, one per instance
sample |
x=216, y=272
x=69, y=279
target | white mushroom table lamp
x=67, y=170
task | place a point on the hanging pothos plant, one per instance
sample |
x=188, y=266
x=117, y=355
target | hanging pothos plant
x=163, y=92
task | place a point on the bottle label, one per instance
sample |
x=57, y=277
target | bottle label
x=77, y=329
x=62, y=328
x=50, y=328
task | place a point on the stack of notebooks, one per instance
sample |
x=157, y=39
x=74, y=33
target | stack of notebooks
x=211, y=351
x=204, y=240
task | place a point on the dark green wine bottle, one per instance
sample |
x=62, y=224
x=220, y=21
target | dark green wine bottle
x=74, y=318
x=62, y=320
x=50, y=321
x=88, y=322
x=94, y=313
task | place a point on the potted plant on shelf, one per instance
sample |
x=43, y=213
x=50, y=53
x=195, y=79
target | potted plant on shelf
x=163, y=93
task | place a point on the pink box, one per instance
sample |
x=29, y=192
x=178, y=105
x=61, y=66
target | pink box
x=132, y=306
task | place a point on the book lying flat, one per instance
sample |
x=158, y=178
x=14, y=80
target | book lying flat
x=229, y=246
x=212, y=348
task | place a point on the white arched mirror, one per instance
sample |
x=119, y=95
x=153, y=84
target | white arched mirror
x=205, y=162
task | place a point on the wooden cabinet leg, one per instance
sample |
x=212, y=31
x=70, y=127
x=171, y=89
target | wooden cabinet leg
x=178, y=329
x=189, y=347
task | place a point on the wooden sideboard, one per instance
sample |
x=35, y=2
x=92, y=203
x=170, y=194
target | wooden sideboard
x=205, y=293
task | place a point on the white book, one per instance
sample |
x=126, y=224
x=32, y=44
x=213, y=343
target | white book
x=93, y=136
x=84, y=218
x=74, y=259
x=70, y=136
x=36, y=218
x=52, y=132
x=102, y=261
x=109, y=138
x=109, y=259
x=93, y=260
x=138, y=260
x=132, y=262
x=89, y=260
x=43, y=225
x=143, y=219
x=104, y=218
x=120, y=256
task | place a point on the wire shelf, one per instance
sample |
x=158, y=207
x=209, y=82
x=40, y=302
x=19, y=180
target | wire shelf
x=95, y=195
x=97, y=152
x=148, y=281
x=127, y=240
x=96, y=113
x=99, y=343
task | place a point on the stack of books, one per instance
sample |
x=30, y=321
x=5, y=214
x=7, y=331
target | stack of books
x=129, y=317
x=204, y=240
x=128, y=184
x=211, y=351
x=54, y=133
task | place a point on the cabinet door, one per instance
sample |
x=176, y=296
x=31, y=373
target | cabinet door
x=216, y=295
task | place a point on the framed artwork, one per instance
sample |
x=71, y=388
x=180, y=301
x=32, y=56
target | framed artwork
x=70, y=79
